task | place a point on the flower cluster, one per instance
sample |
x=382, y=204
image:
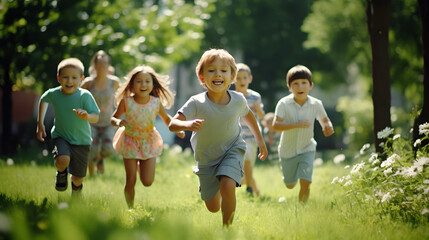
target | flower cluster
x=398, y=185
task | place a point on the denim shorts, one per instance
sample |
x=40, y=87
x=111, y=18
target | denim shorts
x=209, y=176
x=78, y=156
x=297, y=167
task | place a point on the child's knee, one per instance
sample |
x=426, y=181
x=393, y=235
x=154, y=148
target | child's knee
x=146, y=182
x=290, y=186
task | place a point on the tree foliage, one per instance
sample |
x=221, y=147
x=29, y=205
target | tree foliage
x=37, y=35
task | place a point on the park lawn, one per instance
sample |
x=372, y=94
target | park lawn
x=30, y=207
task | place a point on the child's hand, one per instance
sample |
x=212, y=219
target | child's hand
x=81, y=113
x=41, y=132
x=263, y=152
x=195, y=125
x=328, y=130
x=304, y=124
x=123, y=123
x=181, y=134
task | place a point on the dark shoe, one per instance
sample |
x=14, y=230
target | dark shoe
x=249, y=190
x=61, y=181
x=76, y=190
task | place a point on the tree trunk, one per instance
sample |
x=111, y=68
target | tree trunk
x=378, y=21
x=6, y=146
x=424, y=114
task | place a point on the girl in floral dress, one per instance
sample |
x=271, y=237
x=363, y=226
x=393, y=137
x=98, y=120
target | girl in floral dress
x=141, y=98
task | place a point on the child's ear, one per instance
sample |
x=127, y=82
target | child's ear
x=58, y=78
x=251, y=78
x=83, y=77
x=201, y=77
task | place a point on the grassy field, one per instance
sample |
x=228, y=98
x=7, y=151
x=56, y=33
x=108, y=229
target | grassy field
x=30, y=207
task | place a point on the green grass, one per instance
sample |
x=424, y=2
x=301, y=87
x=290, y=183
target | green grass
x=30, y=207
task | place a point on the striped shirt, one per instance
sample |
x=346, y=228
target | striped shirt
x=298, y=140
x=252, y=98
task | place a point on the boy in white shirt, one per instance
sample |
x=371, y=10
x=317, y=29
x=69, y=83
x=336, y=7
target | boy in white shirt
x=294, y=116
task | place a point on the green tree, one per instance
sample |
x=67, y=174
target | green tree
x=36, y=35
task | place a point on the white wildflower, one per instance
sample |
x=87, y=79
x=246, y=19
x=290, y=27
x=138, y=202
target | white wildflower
x=349, y=182
x=347, y=166
x=357, y=167
x=426, y=181
x=396, y=136
x=341, y=180
x=339, y=158
x=368, y=197
x=348, y=177
x=424, y=129
x=381, y=144
x=386, y=197
x=282, y=199
x=62, y=205
x=390, y=160
x=364, y=148
x=411, y=130
x=9, y=162
x=334, y=180
x=45, y=152
x=318, y=162
x=426, y=191
x=421, y=161
x=384, y=133
x=417, y=142
x=424, y=211
x=375, y=169
x=376, y=162
x=387, y=171
x=412, y=171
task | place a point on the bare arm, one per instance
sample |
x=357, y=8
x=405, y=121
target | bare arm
x=115, y=119
x=253, y=126
x=258, y=109
x=41, y=133
x=279, y=125
x=179, y=123
x=327, y=127
x=166, y=118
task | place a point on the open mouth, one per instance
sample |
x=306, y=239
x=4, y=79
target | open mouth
x=217, y=82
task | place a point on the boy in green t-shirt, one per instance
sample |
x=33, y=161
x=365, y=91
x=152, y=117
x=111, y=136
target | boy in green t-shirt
x=74, y=109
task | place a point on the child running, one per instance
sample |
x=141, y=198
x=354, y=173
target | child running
x=253, y=98
x=140, y=99
x=103, y=86
x=294, y=116
x=74, y=109
x=218, y=146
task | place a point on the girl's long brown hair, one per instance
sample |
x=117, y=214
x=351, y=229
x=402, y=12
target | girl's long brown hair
x=160, y=86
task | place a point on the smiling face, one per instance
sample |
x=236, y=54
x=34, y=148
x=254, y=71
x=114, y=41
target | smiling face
x=300, y=89
x=142, y=85
x=216, y=76
x=70, y=78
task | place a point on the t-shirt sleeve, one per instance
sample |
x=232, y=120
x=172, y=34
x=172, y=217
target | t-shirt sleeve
x=89, y=103
x=46, y=97
x=188, y=109
x=321, y=113
x=280, y=110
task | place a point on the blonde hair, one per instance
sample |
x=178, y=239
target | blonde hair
x=211, y=55
x=160, y=86
x=243, y=67
x=70, y=62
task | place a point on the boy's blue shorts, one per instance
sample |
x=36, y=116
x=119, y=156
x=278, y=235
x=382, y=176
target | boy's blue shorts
x=297, y=167
x=209, y=176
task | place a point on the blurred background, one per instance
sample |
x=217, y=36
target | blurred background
x=330, y=37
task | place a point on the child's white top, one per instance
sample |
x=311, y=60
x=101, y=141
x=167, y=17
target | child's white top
x=221, y=129
x=298, y=140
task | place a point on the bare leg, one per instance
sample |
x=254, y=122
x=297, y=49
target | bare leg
x=228, y=204
x=213, y=205
x=91, y=168
x=131, y=178
x=304, y=192
x=61, y=162
x=147, y=171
